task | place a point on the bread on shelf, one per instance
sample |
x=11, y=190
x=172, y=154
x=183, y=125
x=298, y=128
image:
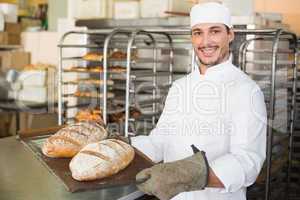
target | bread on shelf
x=89, y=115
x=77, y=69
x=93, y=56
x=119, y=117
x=88, y=94
x=68, y=141
x=95, y=81
x=119, y=55
x=113, y=117
x=117, y=69
x=101, y=159
x=95, y=69
x=89, y=82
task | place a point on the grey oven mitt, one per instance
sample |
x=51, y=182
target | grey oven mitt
x=169, y=179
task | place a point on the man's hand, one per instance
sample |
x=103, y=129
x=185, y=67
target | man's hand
x=169, y=179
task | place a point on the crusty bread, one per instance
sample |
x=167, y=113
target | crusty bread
x=101, y=159
x=119, y=117
x=94, y=115
x=117, y=69
x=95, y=81
x=68, y=141
x=118, y=55
x=95, y=69
x=123, y=55
x=92, y=94
x=93, y=56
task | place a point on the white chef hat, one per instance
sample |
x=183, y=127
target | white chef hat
x=211, y=12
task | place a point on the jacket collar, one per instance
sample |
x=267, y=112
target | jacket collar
x=214, y=71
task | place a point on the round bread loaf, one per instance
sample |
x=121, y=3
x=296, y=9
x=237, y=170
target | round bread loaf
x=101, y=159
x=68, y=141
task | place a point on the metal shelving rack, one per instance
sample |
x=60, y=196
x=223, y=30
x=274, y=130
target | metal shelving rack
x=67, y=61
x=137, y=70
x=140, y=40
x=295, y=159
x=270, y=57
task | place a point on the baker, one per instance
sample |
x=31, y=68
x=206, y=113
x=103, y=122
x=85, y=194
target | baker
x=211, y=136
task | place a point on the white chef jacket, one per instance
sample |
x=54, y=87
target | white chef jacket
x=222, y=113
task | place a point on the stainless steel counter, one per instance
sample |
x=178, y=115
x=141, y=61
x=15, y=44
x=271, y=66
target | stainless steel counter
x=23, y=177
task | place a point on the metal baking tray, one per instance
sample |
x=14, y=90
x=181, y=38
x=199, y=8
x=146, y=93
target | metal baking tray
x=59, y=167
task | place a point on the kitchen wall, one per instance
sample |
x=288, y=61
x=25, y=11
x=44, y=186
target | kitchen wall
x=29, y=2
x=36, y=2
x=290, y=10
x=56, y=9
x=8, y=1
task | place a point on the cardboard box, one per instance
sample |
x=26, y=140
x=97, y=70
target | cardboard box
x=10, y=38
x=27, y=23
x=37, y=120
x=13, y=31
x=42, y=45
x=27, y=121
x=14, y=39
x=5, y=122
x=13, y=60
x=3, y=38
x=13, y=28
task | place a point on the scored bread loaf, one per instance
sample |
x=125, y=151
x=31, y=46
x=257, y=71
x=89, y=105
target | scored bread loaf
x=101, y=159
x=68, y=141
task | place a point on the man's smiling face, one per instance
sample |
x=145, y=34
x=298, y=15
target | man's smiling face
x=211, y=42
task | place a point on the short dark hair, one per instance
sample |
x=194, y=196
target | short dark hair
x=227, y=28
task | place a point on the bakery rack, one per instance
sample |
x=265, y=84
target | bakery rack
x=144, y=69
x=270, y=56
x=295, y=148
x=140, y=70
x=73, y=71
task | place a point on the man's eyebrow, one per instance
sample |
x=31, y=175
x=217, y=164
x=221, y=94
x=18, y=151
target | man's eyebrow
x=215, y=27
x=212, y=27
x=196, y=29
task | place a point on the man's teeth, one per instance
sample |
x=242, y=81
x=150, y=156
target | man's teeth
x=208, y=50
